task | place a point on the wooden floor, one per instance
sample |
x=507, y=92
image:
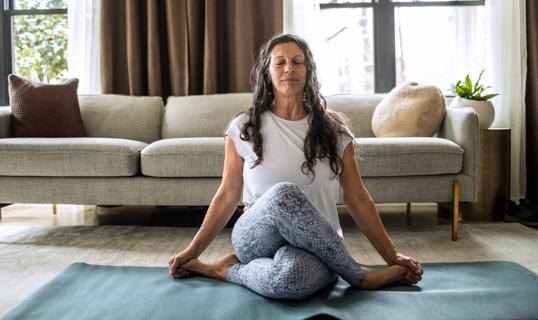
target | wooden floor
x=392, y=215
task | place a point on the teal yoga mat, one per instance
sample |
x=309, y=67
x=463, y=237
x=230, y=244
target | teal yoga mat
x=477, y=290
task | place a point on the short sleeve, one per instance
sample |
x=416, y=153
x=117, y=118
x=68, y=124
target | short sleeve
x=345, y=136
x=234, y=131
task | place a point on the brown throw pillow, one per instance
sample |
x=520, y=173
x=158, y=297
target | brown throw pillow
x=44, y=110
x=409, y=110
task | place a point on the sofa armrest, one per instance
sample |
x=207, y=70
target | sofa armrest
x=461, y=126
x=5, y=118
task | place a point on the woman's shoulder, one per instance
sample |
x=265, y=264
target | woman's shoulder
x=239, y=119
x=344, y=128
x=341, y=122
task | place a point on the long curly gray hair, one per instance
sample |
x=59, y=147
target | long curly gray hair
x=325, y=124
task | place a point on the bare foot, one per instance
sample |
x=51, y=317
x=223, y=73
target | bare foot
x=224, y=263
x=215, y=270
x=377, y=279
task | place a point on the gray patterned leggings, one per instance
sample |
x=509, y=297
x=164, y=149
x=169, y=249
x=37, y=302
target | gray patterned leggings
x=287, y=248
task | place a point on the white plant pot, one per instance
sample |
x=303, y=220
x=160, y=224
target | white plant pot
x=484, y=109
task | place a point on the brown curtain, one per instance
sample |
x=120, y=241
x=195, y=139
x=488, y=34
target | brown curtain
x=183, y=47
x=531, y=101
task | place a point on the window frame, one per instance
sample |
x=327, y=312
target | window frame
x=6, y=46
x=384, y=33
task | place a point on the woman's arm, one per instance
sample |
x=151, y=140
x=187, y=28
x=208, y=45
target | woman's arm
x=362, y=209
x=218, y=214
x=220, y=210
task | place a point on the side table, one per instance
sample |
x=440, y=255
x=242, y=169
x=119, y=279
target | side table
x=493, y=181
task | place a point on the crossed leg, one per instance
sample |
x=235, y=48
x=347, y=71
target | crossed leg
x=291, y=274
x=285, y=248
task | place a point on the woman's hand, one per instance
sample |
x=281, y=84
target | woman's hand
x=175, y=262
x=414, y=273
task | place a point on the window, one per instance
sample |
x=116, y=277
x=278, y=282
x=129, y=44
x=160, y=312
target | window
x=367, y=46
x=34, y=41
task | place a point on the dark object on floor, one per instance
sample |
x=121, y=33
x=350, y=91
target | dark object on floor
x=470, y=290
x=525, y=213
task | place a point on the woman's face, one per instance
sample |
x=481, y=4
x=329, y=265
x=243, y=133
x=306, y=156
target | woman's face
x=287, y=70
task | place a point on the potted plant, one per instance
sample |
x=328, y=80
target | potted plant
x=469, y=94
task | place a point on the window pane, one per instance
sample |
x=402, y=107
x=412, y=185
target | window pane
x=39, y=47
x=439, y=45
x=40, y=4
x=344, y=50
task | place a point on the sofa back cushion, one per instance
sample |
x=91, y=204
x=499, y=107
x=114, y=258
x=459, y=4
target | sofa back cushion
x=209, y=115
x=202, y=115
x=121, y=116
x=359, y=108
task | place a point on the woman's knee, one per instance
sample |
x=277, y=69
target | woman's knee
x=286, y=194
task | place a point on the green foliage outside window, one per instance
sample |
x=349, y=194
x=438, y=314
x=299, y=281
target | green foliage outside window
x=40, y=42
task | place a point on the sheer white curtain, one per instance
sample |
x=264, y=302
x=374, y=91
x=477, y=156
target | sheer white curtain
x=507, y=72
x=83, y=48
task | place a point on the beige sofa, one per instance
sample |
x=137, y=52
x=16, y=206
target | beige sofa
x=141, y=152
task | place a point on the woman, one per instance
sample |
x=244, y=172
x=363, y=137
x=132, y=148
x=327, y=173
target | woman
x=289, y=155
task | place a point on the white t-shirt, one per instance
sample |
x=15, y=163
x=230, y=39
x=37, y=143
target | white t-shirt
x=283, y=156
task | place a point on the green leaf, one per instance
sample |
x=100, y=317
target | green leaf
x=489, y=96
x=468, y=83
x=477, y=88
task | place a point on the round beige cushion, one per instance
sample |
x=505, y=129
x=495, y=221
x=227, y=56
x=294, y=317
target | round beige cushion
x=409, y=110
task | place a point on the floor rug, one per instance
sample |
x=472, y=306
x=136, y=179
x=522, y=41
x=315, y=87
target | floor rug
x=470, y=290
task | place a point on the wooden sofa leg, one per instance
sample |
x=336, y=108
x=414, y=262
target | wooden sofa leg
x=54, y=208
x=455, y=209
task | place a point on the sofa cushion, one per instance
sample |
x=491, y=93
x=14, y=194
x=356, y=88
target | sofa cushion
x=202, y=115
x=44, y=110
x=378, y=157
x=214, y=112
x=359, y=108
x=67, y=157
x=411, y=156
x=122, y=116
x=184, y=157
